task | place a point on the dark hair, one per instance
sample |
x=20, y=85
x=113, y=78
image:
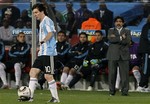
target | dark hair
x=40, y=7
x=83, y=33
x=88, y=14
x=83, y=1
x=61, y=31
x=20, y=33
x=119, y=17
x=100, y=32
x=83, y=4
x=148, y=19
x=102, y=6
x=69, y=3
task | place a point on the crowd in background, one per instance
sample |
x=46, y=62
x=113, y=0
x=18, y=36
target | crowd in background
x=71, y=58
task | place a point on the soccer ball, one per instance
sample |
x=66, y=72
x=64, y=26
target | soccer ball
x=24, y=93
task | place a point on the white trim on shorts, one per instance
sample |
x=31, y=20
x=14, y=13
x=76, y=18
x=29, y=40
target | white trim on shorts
x=52, y=64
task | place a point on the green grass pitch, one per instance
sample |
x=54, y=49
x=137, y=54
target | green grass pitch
x=77, y=97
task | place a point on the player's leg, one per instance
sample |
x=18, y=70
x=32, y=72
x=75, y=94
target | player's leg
x=66, y=70
x=83, y=72
x=49, y=71
x=94, y=73
x=41, y=79
x=64, y=74
x=58, y=65
x=75, y=79
x=143, y=85
x=137, y=74
x=17, y=68
x=70, y=76
x=33, y=80
x=52, y=87
x=3, y=75
x=35, y=70
x=117, y=80
x=75, y=66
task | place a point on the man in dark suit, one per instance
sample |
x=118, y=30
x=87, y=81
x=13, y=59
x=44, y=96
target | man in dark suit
x=79, y=17
x=104, y=16
x=118, y=55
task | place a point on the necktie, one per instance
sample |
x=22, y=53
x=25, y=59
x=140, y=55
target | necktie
x=101, y=13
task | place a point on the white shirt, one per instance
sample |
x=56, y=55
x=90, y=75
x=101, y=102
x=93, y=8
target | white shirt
x=119, y=30
x=102, y=13
x=6, y=34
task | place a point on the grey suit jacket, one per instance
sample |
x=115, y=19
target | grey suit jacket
x=118, y=48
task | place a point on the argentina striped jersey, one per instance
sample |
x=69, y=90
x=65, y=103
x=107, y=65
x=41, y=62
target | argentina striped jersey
x=48, y=48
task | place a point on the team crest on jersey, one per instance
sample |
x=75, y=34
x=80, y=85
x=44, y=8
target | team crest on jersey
x=62, y=47
x=22, y=48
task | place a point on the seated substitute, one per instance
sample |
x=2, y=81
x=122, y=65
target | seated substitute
x=94, y=62
x=76, y=55
x=18, y=56
x=62, y=47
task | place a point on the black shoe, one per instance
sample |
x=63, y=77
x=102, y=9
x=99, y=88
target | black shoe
x=124, y=94
x=22, y=99
x=54, y=100
x=117, y=89
x=111, y=94
x=30, y=100
x=17, y=87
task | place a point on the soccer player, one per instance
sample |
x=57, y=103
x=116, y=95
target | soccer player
x=76, y=55
x=47, y=49
x=17, y=57
x=62, y=49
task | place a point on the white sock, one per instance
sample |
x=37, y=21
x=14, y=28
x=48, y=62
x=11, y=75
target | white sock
x=117, y=79
x=3, y=74
x=53, y=89
x=63, y=77
x=17, y=68
x=68, y=80
x=32, y=85
x=137, y=76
